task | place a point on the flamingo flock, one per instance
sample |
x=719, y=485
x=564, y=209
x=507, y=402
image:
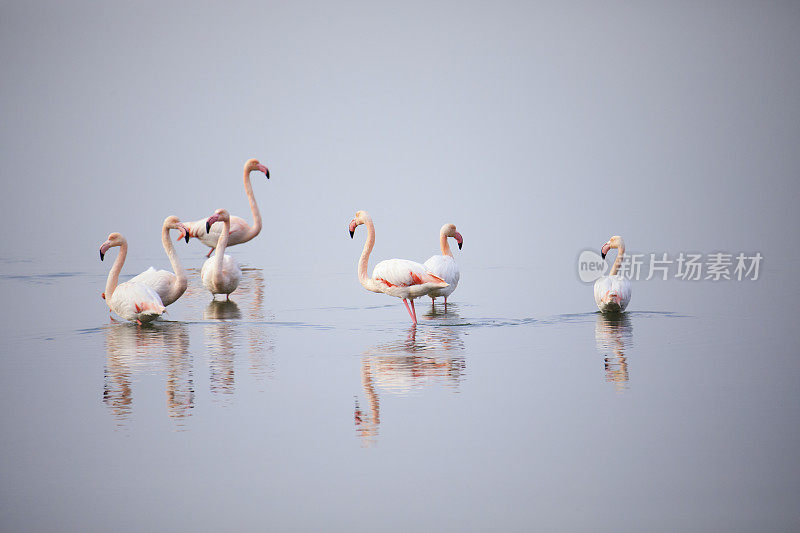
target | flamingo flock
x=145, y=297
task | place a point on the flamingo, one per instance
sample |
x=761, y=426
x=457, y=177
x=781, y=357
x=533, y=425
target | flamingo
x=400, y=278
x=444, y=266
x=169, y=286
x=612, y=293
x=240, y=230
x=131, y=300
x=221, y=273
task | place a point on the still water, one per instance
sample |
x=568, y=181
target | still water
x=307, y=404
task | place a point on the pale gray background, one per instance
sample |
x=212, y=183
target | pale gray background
x=675, y=125
x=540, y=129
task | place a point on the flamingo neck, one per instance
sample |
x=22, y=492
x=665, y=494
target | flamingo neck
x=222, y=243
x=113, y=275
x=363, y=263
x=179, y=286
x=371, y=423
x=444, y=245
x=618, y=260
x=255, y=229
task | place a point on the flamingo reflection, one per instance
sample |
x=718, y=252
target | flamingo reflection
x=163, y=346
x=424, y=357
x=613, y=333
x=220, y=343
x=225, y=334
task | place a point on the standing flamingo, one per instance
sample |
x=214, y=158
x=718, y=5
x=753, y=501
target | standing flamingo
x=444, y=266
x=612, y=293
x=221, y=273
x=400, y=278
x=130, y=300
x=169, y=286
x=240, y=230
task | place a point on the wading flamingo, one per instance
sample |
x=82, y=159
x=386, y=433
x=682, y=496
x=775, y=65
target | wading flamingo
x=169, y=285
x=400, y=278
x=240, y=230
x=221, y=273
x=612, y=293
x=130, y=300
x=444, y=266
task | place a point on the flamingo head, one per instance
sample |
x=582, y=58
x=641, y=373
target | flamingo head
x=114, y=239
x=173, y=222
x=449, y=230
x=360, y=218
x=613, y=242
x=220, y=215
x=253, y=164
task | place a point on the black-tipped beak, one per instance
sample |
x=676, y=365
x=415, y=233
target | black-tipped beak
x=603, y=255
x=352, y=233
x=186, y=237
x=208, y=227
x=102, y=255
x=266, y=173
x=460, y=245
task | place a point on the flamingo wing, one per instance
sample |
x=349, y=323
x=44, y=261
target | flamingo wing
x=136, y=301
x=612, y=285
x=229, y=278
x=238, y=234
x=403, y=273
x=159, y=280
x=446, y=268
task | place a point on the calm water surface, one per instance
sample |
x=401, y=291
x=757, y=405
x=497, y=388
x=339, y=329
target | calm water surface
x=306, y=403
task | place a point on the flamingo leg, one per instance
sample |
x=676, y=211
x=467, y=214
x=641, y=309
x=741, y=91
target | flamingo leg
x=409, y=310
x=414, y=310
x=445, y=304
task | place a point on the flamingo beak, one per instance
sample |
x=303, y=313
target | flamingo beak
x=103, y=249
x=263, y=169
x=102, y=255
x=185, y=231
x=604, y=250
x=459, y=240
x=352, y=227
x=209, y=221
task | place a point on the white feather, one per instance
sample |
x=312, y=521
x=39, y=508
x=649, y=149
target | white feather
x=223, y=281
x=160, y=281
x=398, y=273
x=446, y=268
x=136, y=301
x=612, y=293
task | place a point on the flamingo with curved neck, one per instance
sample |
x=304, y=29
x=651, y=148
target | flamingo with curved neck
x=240, y=230
x=400, y=278
x=612, y=293
x=130, y=300
x=169, y=285
x=221, y=274
x=445, y=266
